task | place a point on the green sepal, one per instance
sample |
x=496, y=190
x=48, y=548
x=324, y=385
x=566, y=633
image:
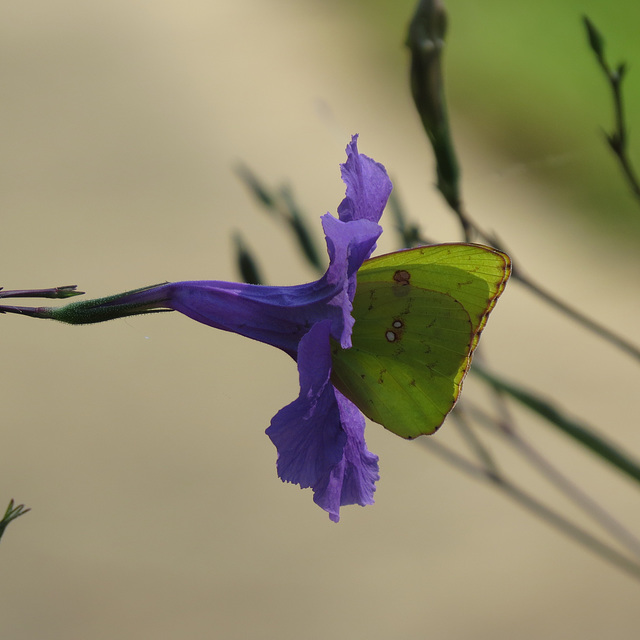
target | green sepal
x=103, y=309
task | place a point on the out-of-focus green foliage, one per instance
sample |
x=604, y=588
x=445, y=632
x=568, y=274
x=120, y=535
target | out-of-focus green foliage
x=523, y=75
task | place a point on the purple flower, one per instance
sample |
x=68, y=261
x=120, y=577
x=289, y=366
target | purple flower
x=320, y=435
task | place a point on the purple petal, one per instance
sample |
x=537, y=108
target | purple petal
x=348, y=244
x=368, y=186
x=279, y=316
x=320, y=436
x=360, y=466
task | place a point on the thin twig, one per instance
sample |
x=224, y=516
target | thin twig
x=582, y=500
x=504, y=425
x=581, y=432
x=533, y=505
x=618, y=139
x=551, y=299
x=475, y=444
x=67, y=291
x=593, y=326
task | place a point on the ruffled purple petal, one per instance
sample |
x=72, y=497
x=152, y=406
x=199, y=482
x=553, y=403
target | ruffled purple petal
x=307, y=432
x=368, y=186
x=320, y=436
x=353, y=480
x=348, y=244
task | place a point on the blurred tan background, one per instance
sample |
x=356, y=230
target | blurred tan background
x=139, y=444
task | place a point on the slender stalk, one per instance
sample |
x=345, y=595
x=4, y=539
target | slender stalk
x=585, y=434
x=581, y=499
x=466, y=223
x=475, y=444
x=554, y=301
x=618, y=139
x=525, y=500
x=504, y=425
x=67, y=291
x=573, y=531
x=593, y=326
x=546, y=296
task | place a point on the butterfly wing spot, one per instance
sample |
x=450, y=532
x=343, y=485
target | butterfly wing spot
x=395, y=333
x=402, y=277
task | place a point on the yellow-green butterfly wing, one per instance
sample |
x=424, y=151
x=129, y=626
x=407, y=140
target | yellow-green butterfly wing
x=418, y=317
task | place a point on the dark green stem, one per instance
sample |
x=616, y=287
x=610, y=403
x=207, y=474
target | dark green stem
x=618, y=139
x=536, y=507
x=580, y=432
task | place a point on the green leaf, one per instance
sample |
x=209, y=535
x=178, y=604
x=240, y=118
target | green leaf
x=247, y=265
x=11, y=514
x=596, y=41
x=425, y=40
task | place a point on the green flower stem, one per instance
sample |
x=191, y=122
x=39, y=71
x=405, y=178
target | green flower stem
x=92, y=311
x=425, y=40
